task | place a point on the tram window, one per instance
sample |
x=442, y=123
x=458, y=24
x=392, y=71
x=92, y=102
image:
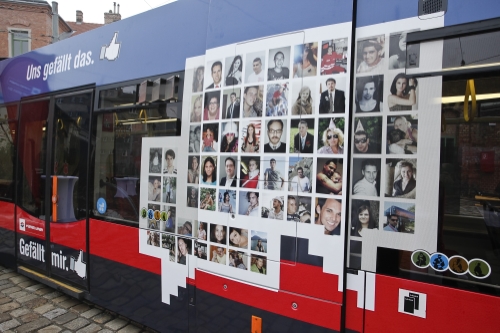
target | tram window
x=116, y=157
x=8, y=126
x=116, y=97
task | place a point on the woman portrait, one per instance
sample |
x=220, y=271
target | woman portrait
x=225, y=206
x=210, y=134
x=250, y=141
x=154, y=189
x=218, y=233
x=238, y=237
x=198, y=79
x=194, y=138
x=155, y=160
x=259, y=247
x=202, y=231
x=304, y=102
x=236, y=260
x=305, y=60
x=405, y=183
x=229, y=142
x=212, y=106
x=403, y=138
x=183, y=245
x=192, y=197
x=209, y=171
x=369, y=93
x=362, y=218
x=250, y=175
x=194, y=170
x=333, y=141
x=403, y=95
x=195, y=116
x=233, y=76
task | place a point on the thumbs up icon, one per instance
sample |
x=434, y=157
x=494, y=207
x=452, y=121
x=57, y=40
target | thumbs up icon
x=80, y=267
x=112, y=50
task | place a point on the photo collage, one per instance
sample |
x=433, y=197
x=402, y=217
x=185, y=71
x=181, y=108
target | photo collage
x=384, y=177
x=267, y=140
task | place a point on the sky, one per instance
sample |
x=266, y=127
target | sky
x=93, y=10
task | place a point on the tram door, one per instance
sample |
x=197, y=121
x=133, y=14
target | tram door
x=52, y=186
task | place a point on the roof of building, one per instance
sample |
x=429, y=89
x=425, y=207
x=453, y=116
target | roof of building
x=80, y=28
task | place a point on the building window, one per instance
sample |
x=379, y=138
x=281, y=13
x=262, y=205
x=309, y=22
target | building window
x=19, y=42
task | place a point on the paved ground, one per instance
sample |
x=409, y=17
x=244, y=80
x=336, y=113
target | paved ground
x=28, y=306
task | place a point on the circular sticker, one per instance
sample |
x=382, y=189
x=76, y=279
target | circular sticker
x=144, y=213
x=150, y=214
x=163, y=216
x=479, y=268
x=439, y=262
x=101, y=205
x=458, y=265
x=420, y=258
x=157, y=215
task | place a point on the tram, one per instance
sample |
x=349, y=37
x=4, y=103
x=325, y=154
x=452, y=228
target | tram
x=225, y=166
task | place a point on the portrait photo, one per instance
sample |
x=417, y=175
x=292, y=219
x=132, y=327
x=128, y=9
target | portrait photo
x=401, y=55
x=329, y=173
x=168, y=220
x=402, y=134
x=218, y=233
x=238, y=237
x=194, y=138
x=401, y=178
x=169, y=189
x=214, y=74
x=218, y=254
x=200, y=250
x=276, y=136
x=227, y=201
x=229, y=137
x=153, y=238
x=233, y=75
x=231, y=103
x=154, y=188
x=305, y=60
x=274, y=174
x=253, y=101
x=250, y=172
x=302, y=99
x=279, y=64
x=183, y=249
x=366, y=177
x=369, y=95
x=255, y=67
x=330, y=140
x=299, y=209
x=334, y=56
x=193, y=169
x=403, y=93
x=170, y=163
x=331, y=94
x=272, y=206
x=364, y=215
x=250, y=136
x=202, y=230
x=187, y=227
x=299, y=174
x=196, y=108
x=277, y=99
x=258, y=264
x=328, y=213
x=212, y=106
x=370, y=55
x=155, y=158
x=238, y=259
x=399, y=217
x=192, y=197
x=367, y=135
x=259, y=241
x=207, y=198
x=208, y=170
x=168, y=243
x=198, y=79
x=227, y=172
x=302, y=135
x=249, y=204
x=210, y=139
